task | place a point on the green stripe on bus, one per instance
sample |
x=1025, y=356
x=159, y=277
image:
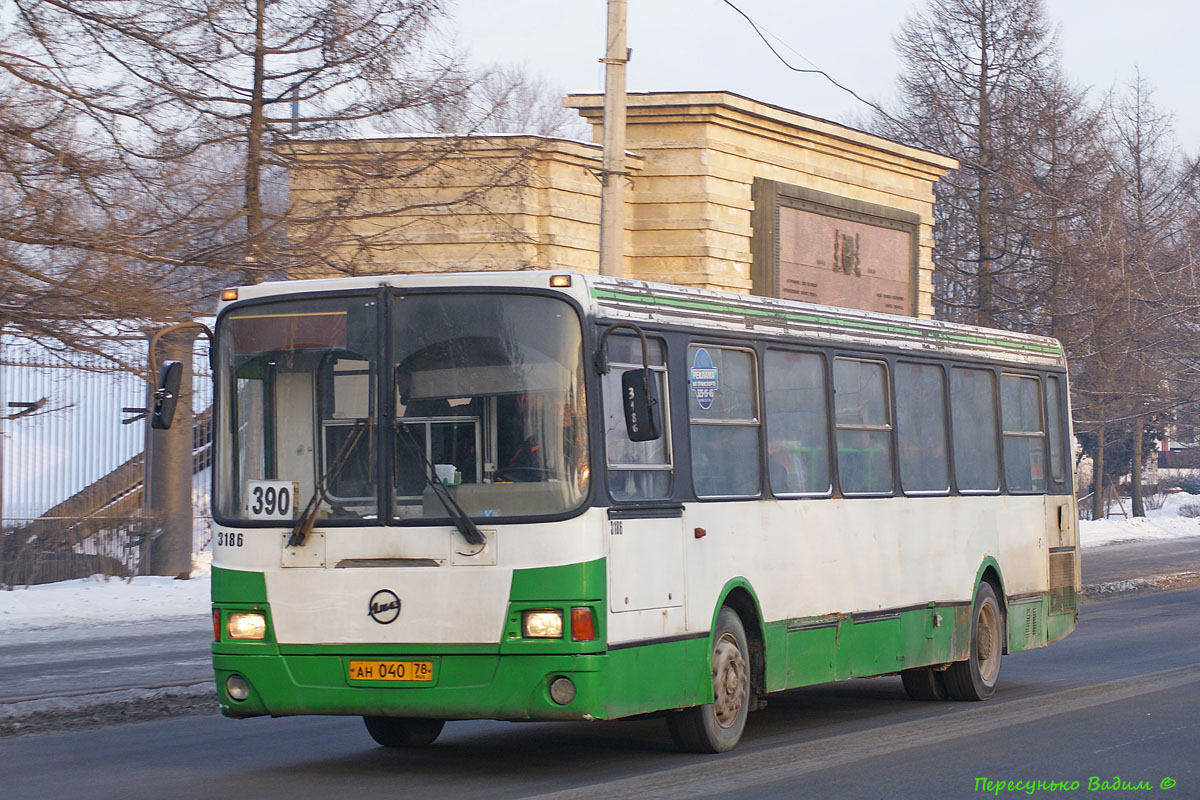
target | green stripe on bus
x=571, y=582
x=822, y=319
x=238, y=586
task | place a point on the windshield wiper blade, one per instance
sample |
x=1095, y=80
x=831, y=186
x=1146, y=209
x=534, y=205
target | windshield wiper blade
x=307, y=519
x=465, y=525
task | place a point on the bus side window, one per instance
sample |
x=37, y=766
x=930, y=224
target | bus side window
x=636, y=470
x=797, y=423
x=723, y=412
x=1024, y=439
x=1054, y=428
x=973, y=423
x=864, y=430
x=921, y=428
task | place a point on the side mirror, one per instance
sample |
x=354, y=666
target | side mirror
x=166, y=396
x=639, y=397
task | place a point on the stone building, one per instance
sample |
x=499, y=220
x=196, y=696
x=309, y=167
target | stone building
x=725, y=193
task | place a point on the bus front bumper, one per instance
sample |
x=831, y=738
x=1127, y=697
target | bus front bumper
x=464, y=686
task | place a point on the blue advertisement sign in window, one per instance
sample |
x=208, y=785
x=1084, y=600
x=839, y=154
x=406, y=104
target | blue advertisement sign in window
x=703, y=378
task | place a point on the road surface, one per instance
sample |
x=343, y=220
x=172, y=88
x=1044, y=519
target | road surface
x=1115, y=700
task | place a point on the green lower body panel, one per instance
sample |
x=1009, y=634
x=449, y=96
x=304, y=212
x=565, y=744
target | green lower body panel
x=658, y=676
x=512, y=679
x=1039, y=621
x=839, y=646
x=812, y=650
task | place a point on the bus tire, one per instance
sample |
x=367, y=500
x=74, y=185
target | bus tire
x=924, y=684
x=976, y=678
x=717, y=726
x=403, y=731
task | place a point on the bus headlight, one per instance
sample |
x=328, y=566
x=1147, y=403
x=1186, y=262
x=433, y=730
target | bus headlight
x=542, y=624
x=246, y=625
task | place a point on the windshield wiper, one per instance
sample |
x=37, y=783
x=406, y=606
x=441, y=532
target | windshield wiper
x=305, y=524
x=465, y=525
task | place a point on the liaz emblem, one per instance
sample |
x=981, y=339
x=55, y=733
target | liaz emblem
x=384, y=606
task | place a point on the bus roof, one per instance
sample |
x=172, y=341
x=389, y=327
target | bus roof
x=638, y=301
x=666, y=304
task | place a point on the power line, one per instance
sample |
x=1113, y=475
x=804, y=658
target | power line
x=758, y=29
x=915, y=136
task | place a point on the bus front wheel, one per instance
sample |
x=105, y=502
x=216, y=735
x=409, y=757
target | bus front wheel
x=717, y=726
x=976, y=678
x=403, y=731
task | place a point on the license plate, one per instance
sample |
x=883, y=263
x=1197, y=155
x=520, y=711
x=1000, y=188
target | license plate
x=391, y=671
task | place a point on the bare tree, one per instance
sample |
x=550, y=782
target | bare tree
x=1157, y=295
x=973, y=86
x=509, y=100
x=82, y=235
x=1063, y=219
x=207, y=83
x=214, y=94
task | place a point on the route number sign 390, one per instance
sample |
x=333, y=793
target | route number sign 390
x=271, y=499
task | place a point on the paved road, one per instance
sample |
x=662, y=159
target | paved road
x=1121, y=561
x=1116, y=699
x=69, y=662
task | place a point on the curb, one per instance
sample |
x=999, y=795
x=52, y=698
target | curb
x=100, y=709
x=1171, y=580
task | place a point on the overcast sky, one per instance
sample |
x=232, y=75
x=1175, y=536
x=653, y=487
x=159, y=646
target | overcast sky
x=705, y=45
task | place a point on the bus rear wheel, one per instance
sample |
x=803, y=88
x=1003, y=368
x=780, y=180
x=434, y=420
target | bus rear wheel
x=717, y=726
x=924, y=684
x=976, y=678
x=403, y=731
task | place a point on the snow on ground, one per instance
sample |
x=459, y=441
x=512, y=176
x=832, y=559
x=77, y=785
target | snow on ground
x=96, y=601
x=1159, y=523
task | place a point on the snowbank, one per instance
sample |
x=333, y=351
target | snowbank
x=98, y=601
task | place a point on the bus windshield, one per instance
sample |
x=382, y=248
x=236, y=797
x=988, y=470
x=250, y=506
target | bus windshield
x=483, y=392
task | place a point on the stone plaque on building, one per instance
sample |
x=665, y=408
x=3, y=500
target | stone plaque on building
x=821, y=248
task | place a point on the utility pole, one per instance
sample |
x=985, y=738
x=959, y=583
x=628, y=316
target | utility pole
x=168, y=484
x=612, y=173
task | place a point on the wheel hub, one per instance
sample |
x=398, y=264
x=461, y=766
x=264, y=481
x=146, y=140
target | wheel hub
x=987, y=642
x=729, y=681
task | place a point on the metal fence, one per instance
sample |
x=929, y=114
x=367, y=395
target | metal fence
x=72, y=456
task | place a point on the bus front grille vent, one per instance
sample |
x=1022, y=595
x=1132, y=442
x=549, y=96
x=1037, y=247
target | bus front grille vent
x=1031, y=623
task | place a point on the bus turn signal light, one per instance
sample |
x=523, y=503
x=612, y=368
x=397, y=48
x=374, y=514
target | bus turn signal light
x=216, y=624
x=583, y=625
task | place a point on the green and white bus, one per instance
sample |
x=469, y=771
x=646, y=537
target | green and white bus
x=552, y=496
